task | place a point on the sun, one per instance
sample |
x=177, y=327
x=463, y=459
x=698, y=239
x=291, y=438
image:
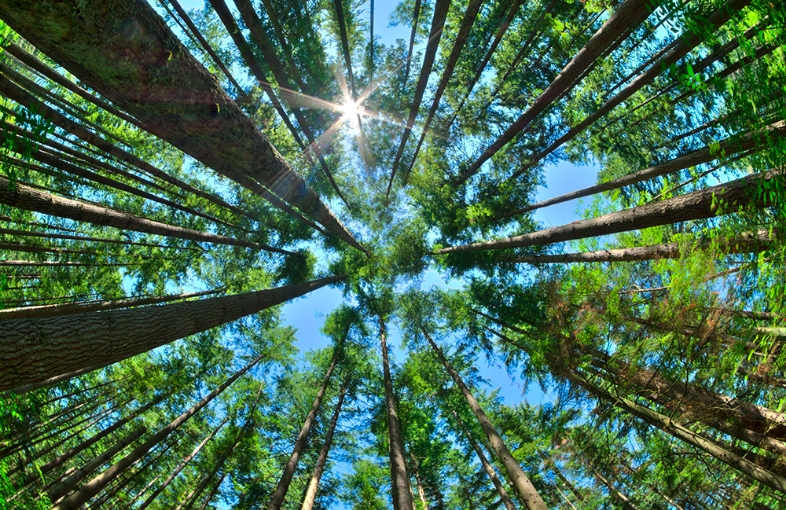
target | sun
x=351, y=108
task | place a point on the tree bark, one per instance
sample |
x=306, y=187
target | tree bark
x=29, y=199
x=631, y=13
x=200, y=119
x=691, y=206
x=400, y=490
x=277, y=499
x=94, y=486
x=319, y=467
x=415, y=21
x=526, y=491
x=37, y=312
x=33, y=350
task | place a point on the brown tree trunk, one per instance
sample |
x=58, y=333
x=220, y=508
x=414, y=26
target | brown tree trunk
x=36, y=312
x=282, y=41
x=29, y=199
x=487, y=467
x=319, y=467
x=415, y=22
x=33, y=350
x=526, y=491
x=400, y=490
x=50, y=236
x=94, y=486
x=201, y=119
x=277, y=499
x=705, y=203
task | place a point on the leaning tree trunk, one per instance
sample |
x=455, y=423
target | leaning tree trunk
x=77, y=498
x=626, y=502
x=487, y=467
x=702, y=204
x=516, y=475
x=415, y=21
x=319, y=467
x=29, y=199
x=201, y=119
x=277, y=499
x=400, y=490
x=33, y=350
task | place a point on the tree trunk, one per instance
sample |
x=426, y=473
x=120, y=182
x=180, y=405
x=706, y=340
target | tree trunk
x=319, y=467
x=277, y=499
x=201, y=119
x=282, y=41
x=415, y=21
x=33, y=350
x=29, y=199
x=50, y=235
x=503, y=494
x=692, y=206
x=400, y=490
x=754, y=243
x=36, y=312
x=697, y=157
x=526, y=491
x=550, y=464
x=437, y=25
x=626, y=502
x=94, y=486
x=630, y=14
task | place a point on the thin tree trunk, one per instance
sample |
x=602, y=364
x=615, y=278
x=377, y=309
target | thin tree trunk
x=400, y=490
x=29, y=199
x=277, y=499
x=282, y=41
x=94, y=486
x=33, y=350
x=729, y=146
x=415, y=21
x=630, y=14
x=492, y=474
x=36, y=312
x=441, y=8
x=201, y=119
x=526, y=491
x=626, y=502
x=50, y=235
x=705, y=203
x=550, y=464
x=319, y=467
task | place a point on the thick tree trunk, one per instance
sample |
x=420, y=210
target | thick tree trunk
x=29, y=199
x=630, y=14
x=319, y=467
x=437, y=25
x=37, y=312
x=487, y=467
x=754, y=243
x=200, y=119
x=277, y=499
x=400, y=490
x=705, y=203
x=526, y=491
x=33, y=350
x=697, y=157
x=94, y=486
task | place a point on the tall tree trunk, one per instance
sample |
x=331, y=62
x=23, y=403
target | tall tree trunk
x=29, y=199
x=691, y=206
x=36, y=312
x=201, y=119
x=71, y=237
x=487, y=467
x=630, y=14
x=526, y=491
x=282, y=41
x=550, y=464
x=33, y=350
x=415, y=22
x=441, y=8
x=277, y=499
x=400, y=490
x=626, y=502
x=94, y=486
x=319, y=467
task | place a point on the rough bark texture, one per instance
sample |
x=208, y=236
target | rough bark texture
x=277, y=499
x=33, y=350
x=77, y=498
x=400, y=490
x=29, y=199
x=692, y=206
x=125, y=51
x=631, y=13
x=437, y=25
x=319, y=467
x=526, y=491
